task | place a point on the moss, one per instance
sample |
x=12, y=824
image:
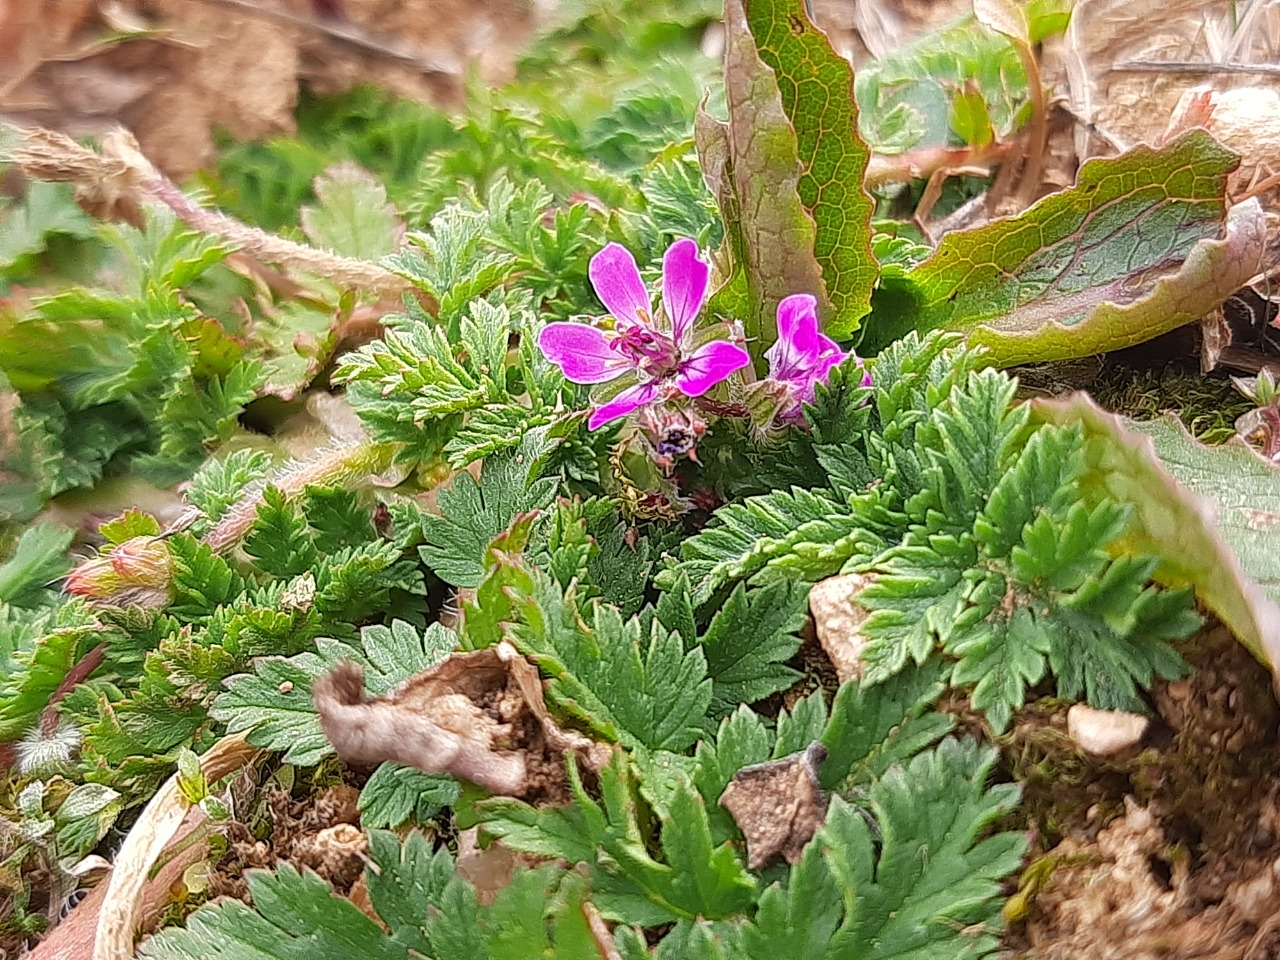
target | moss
x=1207, y=406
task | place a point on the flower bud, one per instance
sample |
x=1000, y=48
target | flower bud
x=143, y=562
x=137, y=572
x=94, y=579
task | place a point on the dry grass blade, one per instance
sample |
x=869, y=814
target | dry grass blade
x=160, y=821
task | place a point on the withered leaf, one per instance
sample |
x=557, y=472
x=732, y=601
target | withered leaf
x=779, y=805
x=478, y=716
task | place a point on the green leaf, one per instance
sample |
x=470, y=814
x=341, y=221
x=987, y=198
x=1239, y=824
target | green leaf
x=84, y=818
x=202, y=580
x=1011, y=571
x=274, y=703
x=742, y=741
x=705, y=881
x=353, y=217
x=551, y=832
x=1205, y=513
x=279, y=540
x=745, y=539
x=222, y=482
x=902, y=903
x=354, y=583
x=874, y=727
x=48, y=210
x=753, y=167
x=1140, y=245
x=701, y=940
x=636, y=685
x=19, y=630
x=906, y=95
x=800, y=918
x=132, y=523
x=399, y=651
x=472, y=514
x=453, y=929
x=803, y=724
x=816, y=85
x=293, y=914
x=749, y=639
x=539, y=914
x=300, y=337
x=970, y=118
x=697, y=878
x=43, y=667
x=409, y=881
x=38, y=560
x=395, y=795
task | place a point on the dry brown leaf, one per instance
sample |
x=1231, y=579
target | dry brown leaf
x=871, y=29
x=489, y=869
x=192, y=67
x=779, y=805
x=478, y=716
x=335, y=853
x=1121, y=104
x=1245, y=120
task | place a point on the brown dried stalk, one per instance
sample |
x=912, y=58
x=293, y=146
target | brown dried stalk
x=115, y=184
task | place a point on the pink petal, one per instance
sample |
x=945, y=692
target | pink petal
x=799, y=342
x=617, y=281
x=829, y=357
x=628, y=400
x=684, y=285
x=581, y=352
x=710, y=364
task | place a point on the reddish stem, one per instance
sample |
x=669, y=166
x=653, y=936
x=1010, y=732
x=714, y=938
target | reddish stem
x=77, y=675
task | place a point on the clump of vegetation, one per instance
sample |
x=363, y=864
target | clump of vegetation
x=619, y=372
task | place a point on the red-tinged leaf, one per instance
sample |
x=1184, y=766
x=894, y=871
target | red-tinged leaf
x=1141, y=245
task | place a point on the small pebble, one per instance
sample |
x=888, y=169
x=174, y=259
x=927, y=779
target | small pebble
x=1105, y=733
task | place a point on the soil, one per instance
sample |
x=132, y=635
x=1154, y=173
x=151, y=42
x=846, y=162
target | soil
x=319, y=832
x=1171, y=853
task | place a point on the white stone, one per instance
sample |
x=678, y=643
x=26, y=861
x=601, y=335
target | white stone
x=838, y=622
x=1104, y=733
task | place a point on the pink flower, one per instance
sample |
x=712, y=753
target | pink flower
x=660, y=354
x=802, y=356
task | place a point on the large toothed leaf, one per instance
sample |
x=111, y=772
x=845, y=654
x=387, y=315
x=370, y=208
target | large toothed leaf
x=1141, y=244
x=816, y=85
x=353, y=217
x=752, y=166
x=1209, y=513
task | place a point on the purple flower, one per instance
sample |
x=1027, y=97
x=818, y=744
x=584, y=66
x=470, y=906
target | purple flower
x=660, y=354
x=802, y=357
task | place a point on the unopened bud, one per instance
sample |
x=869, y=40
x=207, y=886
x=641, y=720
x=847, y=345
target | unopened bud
x=143, y=562
x=135, y=573
x=95, y=579
x=772, y=403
